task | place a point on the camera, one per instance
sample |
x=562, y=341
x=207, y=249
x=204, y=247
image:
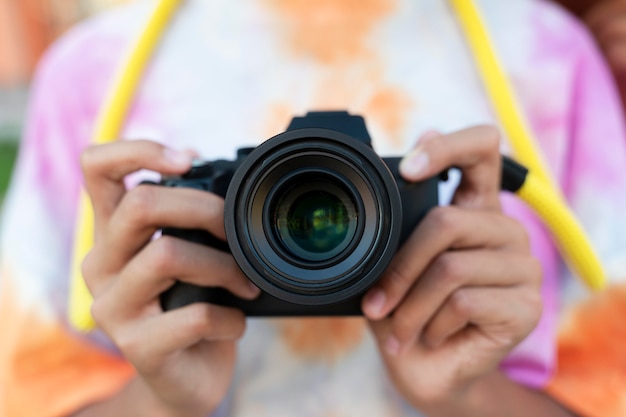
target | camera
x=313, y=217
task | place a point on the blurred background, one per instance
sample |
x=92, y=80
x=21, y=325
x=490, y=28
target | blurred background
x=27, y=27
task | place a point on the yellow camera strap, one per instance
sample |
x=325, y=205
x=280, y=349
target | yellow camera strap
x=108, y=128
x=538, y=189
x=496, y=83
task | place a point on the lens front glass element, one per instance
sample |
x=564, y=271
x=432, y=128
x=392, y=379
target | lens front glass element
x=315, y=222
x=318, y=222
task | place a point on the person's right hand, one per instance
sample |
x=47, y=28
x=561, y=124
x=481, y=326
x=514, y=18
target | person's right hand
x=185, y=357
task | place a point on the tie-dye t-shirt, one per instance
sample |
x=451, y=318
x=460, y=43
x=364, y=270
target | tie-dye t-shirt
x=230, y=74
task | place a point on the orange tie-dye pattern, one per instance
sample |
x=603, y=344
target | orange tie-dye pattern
x=350, y=73
x=322, y=338
x=45, y=371
x=276, y=120
x=591, y=370
x=331, y=31
x=390, y=107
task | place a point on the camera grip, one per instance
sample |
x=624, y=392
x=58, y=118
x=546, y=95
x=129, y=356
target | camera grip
x=417, y=197
x=181, y=294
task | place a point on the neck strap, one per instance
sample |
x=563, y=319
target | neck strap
x=539, y=190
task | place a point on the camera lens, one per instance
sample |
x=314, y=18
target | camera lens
x=313, y=217
x=315, y=222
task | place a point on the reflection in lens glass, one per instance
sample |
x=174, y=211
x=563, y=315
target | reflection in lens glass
x=315, y=221
x=318, y=222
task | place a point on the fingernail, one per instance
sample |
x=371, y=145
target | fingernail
x=414, y=164
x=180, y=159
x=375, y=302
x=392, y=346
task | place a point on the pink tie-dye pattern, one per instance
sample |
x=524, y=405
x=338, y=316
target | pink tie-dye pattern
x=570, y=138
x=531, y=363
x=70, y=90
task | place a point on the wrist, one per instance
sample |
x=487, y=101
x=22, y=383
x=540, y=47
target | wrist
x=441, y=402
x=494, y=395
x=466, y=399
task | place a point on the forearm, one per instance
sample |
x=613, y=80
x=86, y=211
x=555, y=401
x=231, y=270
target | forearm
x=136, y=400
x=494, y=396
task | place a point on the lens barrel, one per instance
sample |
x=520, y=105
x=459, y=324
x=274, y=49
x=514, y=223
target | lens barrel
x=313, y=216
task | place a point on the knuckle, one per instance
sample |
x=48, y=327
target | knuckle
x=97, y=312
x=461, y=304
x=491, y=138
x=242, y=326
x=212, y=214
x=215, y=207
x=397, y=281
x=403, y=326
x=163, y=255
x=517, y=231
x=90, y=269
x=100, y=312
x=201, y=319
x=445, y=219
x=239, y=324
x=138, y=204
x=533, y=299
x=536, y=304
x=448, y=269
x=89, y=158
x=521, y=234
x=130, y=344
x=529, y=319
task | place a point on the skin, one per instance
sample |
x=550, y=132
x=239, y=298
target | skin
x=184, y=358
x=606, y=20
x=464, y=290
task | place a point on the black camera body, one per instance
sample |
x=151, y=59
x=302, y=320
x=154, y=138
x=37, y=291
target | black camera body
x=313, y=217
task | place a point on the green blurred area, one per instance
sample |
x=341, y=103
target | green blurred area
x=8, y=152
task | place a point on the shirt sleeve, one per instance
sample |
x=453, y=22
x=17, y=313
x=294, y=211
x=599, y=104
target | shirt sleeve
x=591, y=367
x=47, y=369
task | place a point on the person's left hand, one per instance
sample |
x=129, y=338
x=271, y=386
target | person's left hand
x=464, y=289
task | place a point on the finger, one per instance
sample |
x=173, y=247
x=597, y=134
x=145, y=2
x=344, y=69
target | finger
x=442, y=229
x=381, y=330
x=475, y=151
x=602, y=12
x=452, y=271
x=105, y=166
x=148, y=208
x=148, y=342
x=167, y=259
x=504, y=315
